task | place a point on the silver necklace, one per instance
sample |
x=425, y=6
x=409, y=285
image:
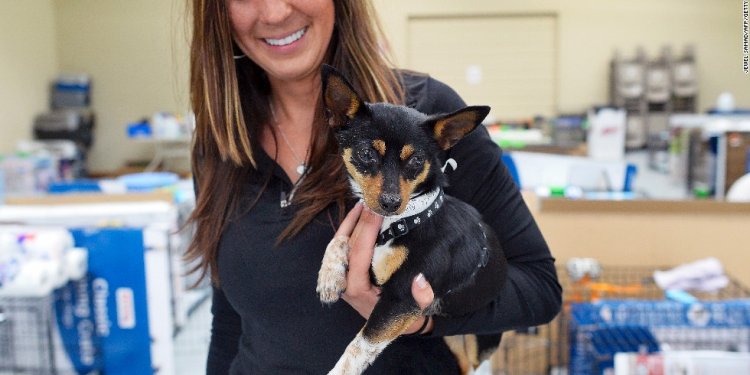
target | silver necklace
x=301, y=166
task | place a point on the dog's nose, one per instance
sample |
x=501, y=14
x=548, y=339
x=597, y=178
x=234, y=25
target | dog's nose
x=390, y=202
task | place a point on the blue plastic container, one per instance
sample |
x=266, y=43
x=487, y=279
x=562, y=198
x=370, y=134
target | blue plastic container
x=75, y=186
x=148, y=181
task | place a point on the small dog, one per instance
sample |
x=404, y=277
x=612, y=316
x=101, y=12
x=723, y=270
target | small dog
x=391, y=154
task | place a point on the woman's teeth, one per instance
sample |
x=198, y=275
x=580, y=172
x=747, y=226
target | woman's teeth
x=288, y=40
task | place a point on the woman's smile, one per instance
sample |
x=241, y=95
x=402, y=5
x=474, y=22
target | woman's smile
x=287, y=40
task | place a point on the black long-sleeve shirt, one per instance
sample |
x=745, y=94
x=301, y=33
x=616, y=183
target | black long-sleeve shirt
x=267, y=318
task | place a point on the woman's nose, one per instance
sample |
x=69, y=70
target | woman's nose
x=274, y=11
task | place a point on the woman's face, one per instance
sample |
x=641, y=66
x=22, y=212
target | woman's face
x=287, y=38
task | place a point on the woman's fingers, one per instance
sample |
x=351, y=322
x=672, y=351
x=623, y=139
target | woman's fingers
x=360, y=293
x=423, y=294
x=422, y=291
x=361, y=247
x=350, y=221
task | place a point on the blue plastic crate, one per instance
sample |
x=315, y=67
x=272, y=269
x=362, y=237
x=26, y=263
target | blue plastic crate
x=607, y=341
x=598, y=330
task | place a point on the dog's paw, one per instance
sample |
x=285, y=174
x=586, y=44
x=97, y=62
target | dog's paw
x=331, y=283
x=332, y=274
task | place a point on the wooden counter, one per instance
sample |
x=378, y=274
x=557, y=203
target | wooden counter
x=645, y=232
x=85, y=198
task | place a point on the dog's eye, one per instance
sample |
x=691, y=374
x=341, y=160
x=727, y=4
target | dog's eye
x=367, y=155
x=415, y=162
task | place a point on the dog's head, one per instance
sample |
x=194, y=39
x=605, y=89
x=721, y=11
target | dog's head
x=391, y=152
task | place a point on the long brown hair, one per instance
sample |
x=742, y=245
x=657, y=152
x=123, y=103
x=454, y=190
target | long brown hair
x=230, y=100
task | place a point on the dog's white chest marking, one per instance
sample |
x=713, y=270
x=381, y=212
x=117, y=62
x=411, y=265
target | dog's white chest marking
x=386, y=260
x=380, y=254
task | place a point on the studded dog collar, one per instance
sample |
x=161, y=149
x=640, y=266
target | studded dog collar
x=395, y=227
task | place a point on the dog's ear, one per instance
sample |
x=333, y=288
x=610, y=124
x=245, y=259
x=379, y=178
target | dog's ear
x=341, y=101
x=449, y=129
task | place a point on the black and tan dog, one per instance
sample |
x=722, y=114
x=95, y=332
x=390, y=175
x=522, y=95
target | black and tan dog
x=391, y=154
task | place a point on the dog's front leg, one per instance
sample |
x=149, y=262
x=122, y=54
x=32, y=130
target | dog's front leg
x=332, y=274
x=389, y=319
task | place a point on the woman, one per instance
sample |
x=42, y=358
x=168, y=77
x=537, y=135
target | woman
x=271, y=192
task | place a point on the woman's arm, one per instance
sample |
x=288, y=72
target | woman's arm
x=225, y=335
x=532, y=294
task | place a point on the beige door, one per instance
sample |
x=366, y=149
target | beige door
x=505, y=61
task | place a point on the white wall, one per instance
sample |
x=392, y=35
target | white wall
x=136, y=52
x=589, y=31
x=28, y=61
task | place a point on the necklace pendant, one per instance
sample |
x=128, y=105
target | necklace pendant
x=301, y=169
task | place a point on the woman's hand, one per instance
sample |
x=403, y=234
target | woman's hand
x=362, y=226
